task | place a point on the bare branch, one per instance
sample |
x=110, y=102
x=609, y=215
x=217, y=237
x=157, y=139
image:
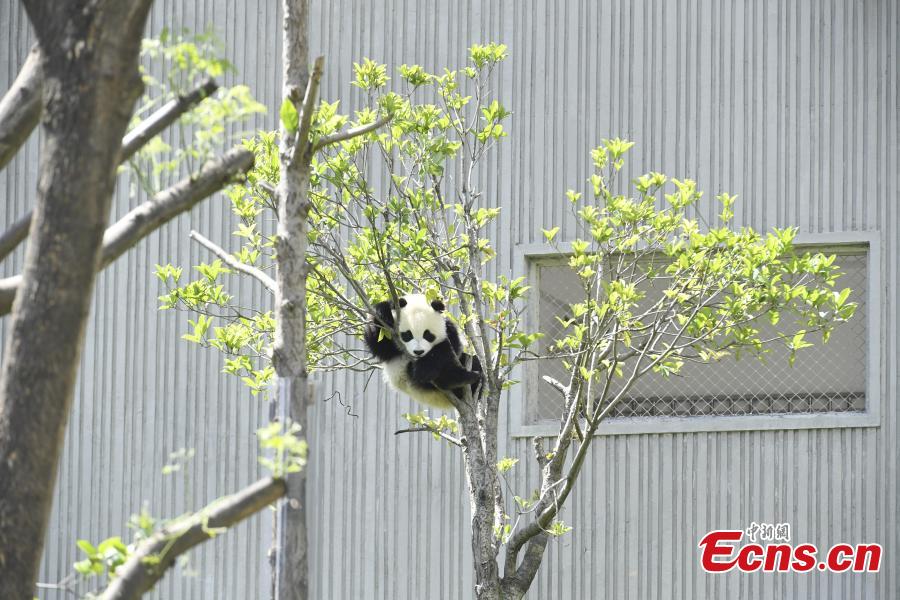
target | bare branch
x=152, y=558
x=150, y=215
x=308, y=107
x=20, y=108
x=133, y=141
x=164, y=116
x=13, y=236
x=557, y=385
x=351, y=133
x=232, y=262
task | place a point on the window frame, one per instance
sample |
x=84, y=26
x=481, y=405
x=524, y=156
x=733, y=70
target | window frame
x=528, y=258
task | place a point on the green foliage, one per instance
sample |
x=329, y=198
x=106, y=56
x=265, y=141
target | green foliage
x=187, y=60
x=558, y=529
x=178, y=460
x=506, y=463
x=370, y=75
x=399, y=210
x=661, y=288
x=111, y=553
x=290, y=118
x=442, y=424
x=365, y=246
x=102, y=559
x=288, y=452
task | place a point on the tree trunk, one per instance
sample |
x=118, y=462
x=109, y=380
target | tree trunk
x=480, y=477
x=291, y=573
x=91, y=82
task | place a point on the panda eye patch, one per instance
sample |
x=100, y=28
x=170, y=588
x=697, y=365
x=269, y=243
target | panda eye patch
x=406, y=336
x=429, y=337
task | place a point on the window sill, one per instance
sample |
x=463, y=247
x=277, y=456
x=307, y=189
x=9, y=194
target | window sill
x=644, y=425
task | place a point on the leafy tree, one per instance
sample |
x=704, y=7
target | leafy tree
x=98, y=111
x=402, y=209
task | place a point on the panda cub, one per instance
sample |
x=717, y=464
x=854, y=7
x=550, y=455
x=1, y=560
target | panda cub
x=429, y=359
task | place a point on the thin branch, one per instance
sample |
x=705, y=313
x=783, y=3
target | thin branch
x=449, y=438
x=150, y=215
x=20, y=108
x=149, y=562
x=14, y=236
x=351, y=133
x=232, y=262
x=309, y=105
x=164, y=116
x=557, y=385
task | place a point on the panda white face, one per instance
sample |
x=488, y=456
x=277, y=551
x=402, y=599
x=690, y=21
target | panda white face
x=421, y=324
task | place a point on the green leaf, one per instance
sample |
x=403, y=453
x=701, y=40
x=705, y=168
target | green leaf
x=290, y=118
x=86, y=547
x=550, y=233
x=506, y=463
x=85, y=567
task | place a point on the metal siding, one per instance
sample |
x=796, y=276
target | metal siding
x=791, y=105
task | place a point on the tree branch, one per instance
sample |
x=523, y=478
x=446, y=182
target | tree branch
x=13, y=236
x=133, y=141
x=449, y=438
x=150, y=215
x=164, y=116
x=309, y=106
x=20, y=108
x=235, y=264
x=351, y=133
x=152, y=558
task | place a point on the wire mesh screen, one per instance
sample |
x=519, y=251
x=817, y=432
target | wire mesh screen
x=824, y=378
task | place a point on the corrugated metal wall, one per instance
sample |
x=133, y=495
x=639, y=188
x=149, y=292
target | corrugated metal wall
x=794, y=106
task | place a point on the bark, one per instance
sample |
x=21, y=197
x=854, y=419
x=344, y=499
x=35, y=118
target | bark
x=291, y=572
x=152, y=214
x=138, y=575
x=481, y=480
x=20, y=108
x=91, y=82
x=134, y=141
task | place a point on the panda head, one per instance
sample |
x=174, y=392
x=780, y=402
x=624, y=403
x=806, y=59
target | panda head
x=421, y=323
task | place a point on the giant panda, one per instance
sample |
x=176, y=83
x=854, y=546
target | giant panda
x=427, y=358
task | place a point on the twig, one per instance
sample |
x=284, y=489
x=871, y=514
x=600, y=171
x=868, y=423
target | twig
x=351, y=133
x=232, y=262
x=449, y=438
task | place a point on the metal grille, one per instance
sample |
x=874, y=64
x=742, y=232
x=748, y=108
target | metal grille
x=825, y=378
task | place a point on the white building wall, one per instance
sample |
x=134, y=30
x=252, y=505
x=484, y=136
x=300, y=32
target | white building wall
x=793, y=106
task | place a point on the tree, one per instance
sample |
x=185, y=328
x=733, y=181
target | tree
x=279, y=340
x=402, y=210
x=82, y=81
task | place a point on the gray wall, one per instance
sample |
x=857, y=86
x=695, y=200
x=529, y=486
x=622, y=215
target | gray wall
x=794, y=106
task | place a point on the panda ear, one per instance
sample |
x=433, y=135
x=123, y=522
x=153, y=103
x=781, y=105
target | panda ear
x=401, y=302
x=437, y=305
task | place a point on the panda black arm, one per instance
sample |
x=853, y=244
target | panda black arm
x=384, y=349
x=453, y=337
x=441, y=368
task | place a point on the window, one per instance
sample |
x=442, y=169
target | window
x=831, y=378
